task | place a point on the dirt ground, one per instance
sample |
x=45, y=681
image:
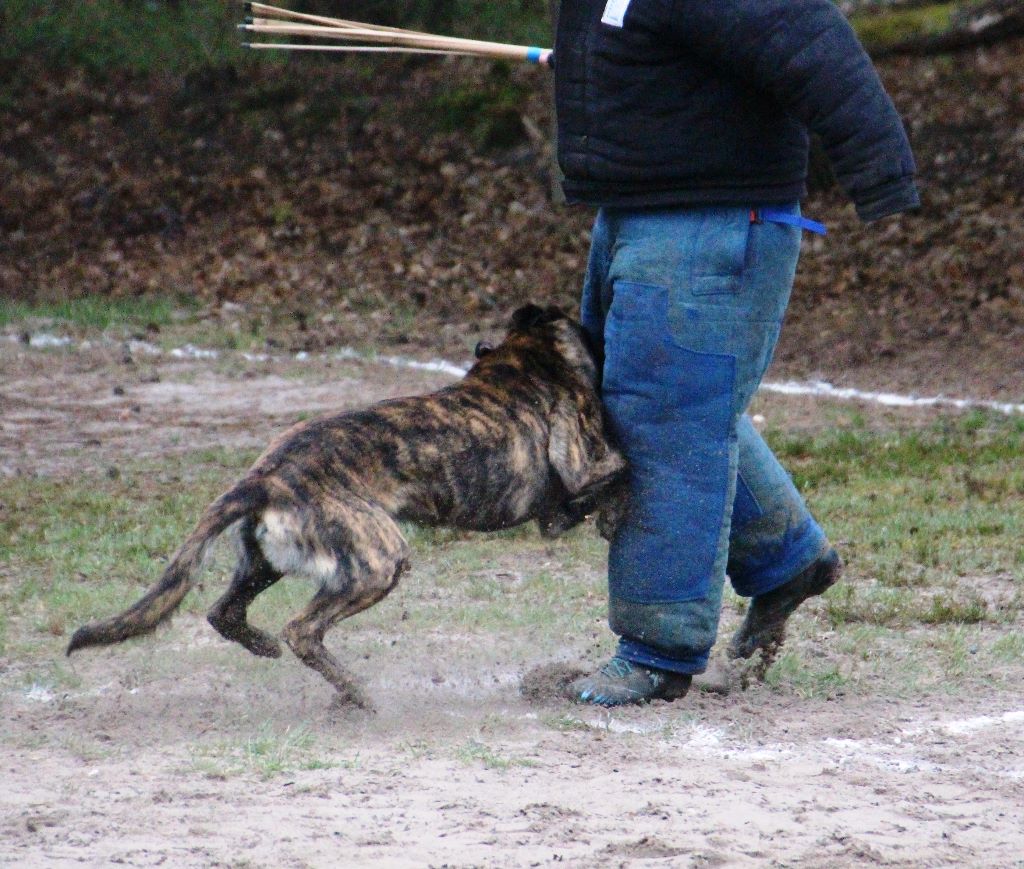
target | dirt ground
x=162, y=754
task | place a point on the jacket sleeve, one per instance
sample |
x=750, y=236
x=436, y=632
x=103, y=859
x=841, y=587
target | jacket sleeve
x=807, y=57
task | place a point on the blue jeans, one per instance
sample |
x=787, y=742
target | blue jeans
x=687, y=304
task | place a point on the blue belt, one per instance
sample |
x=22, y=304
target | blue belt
x=775, y=215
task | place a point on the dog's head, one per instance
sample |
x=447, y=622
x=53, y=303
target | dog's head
x=532, y=316
x=523, y=320
x=551, y=329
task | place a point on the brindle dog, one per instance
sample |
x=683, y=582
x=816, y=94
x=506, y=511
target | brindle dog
x=521, y=437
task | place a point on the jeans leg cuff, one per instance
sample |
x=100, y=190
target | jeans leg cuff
x=638, y=653
x=794, y=562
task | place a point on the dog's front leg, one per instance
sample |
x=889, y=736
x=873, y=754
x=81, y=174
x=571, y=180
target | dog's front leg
x=604, y=495
x=613, y=507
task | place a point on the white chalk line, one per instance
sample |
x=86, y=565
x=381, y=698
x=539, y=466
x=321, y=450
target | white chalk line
x=888, y=399
x=959, y=727
x=813, y=388
x=898, y=755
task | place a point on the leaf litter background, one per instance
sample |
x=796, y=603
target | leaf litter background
x=406, y=205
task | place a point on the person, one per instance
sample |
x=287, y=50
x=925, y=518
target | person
x=686, y=122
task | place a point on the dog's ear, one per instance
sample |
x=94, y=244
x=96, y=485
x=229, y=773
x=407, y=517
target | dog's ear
x=578, y=447
x=553, y=312
x=526, y=316
x=595, y=349
x=482, y=349
x=534, y=315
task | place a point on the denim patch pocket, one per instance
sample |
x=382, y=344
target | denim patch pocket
x=720, y=254
x=645, y=364
x=640, y=357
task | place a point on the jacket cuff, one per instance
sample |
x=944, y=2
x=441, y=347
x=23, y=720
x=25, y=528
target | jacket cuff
x=890, y=198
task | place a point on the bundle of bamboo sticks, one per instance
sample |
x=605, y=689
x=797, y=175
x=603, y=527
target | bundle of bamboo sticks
x=343, y=35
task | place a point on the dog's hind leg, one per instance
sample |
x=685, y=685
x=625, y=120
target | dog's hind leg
x=253, y=575
x=371, y=555
x=305, y=636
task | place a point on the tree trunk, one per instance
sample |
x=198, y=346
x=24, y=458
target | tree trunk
x=557, y=176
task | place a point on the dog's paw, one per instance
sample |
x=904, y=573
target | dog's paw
x=350, y=697
x=609, y=517
x=612, y=510
x=551, y=527
x=263, y=645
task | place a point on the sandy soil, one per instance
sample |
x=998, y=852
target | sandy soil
x=747, y=779
x=149, y=760
x=107, y=401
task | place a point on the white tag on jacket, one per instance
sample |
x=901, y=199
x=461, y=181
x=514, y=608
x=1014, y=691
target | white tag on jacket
x=615, y=12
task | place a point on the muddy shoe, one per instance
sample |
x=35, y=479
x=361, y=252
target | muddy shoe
x=765, y=624
x=620, y=682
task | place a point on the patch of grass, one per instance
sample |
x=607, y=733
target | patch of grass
x=850, y=605
x=792, y=672
x=267, y=753
x=104, y=37
x=92, y=312
x=525, y=21
x=1009, y=648
x=921, y=517
x=417, y=748
x=915, y=513
x=955, y=650
x=861, y=640
x=891, y=27
x=889, y=607
x=565, y=723
x=83, y=747
x=82, y=547
x=550, y=587
x=944, y=610
x=209, y=334
x=476, y=752
x=52, y=675
x=222, y=457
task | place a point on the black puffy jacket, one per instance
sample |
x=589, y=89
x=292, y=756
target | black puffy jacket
x=710, y=101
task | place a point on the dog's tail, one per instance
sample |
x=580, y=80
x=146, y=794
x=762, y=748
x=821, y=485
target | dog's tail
x=248, y=497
